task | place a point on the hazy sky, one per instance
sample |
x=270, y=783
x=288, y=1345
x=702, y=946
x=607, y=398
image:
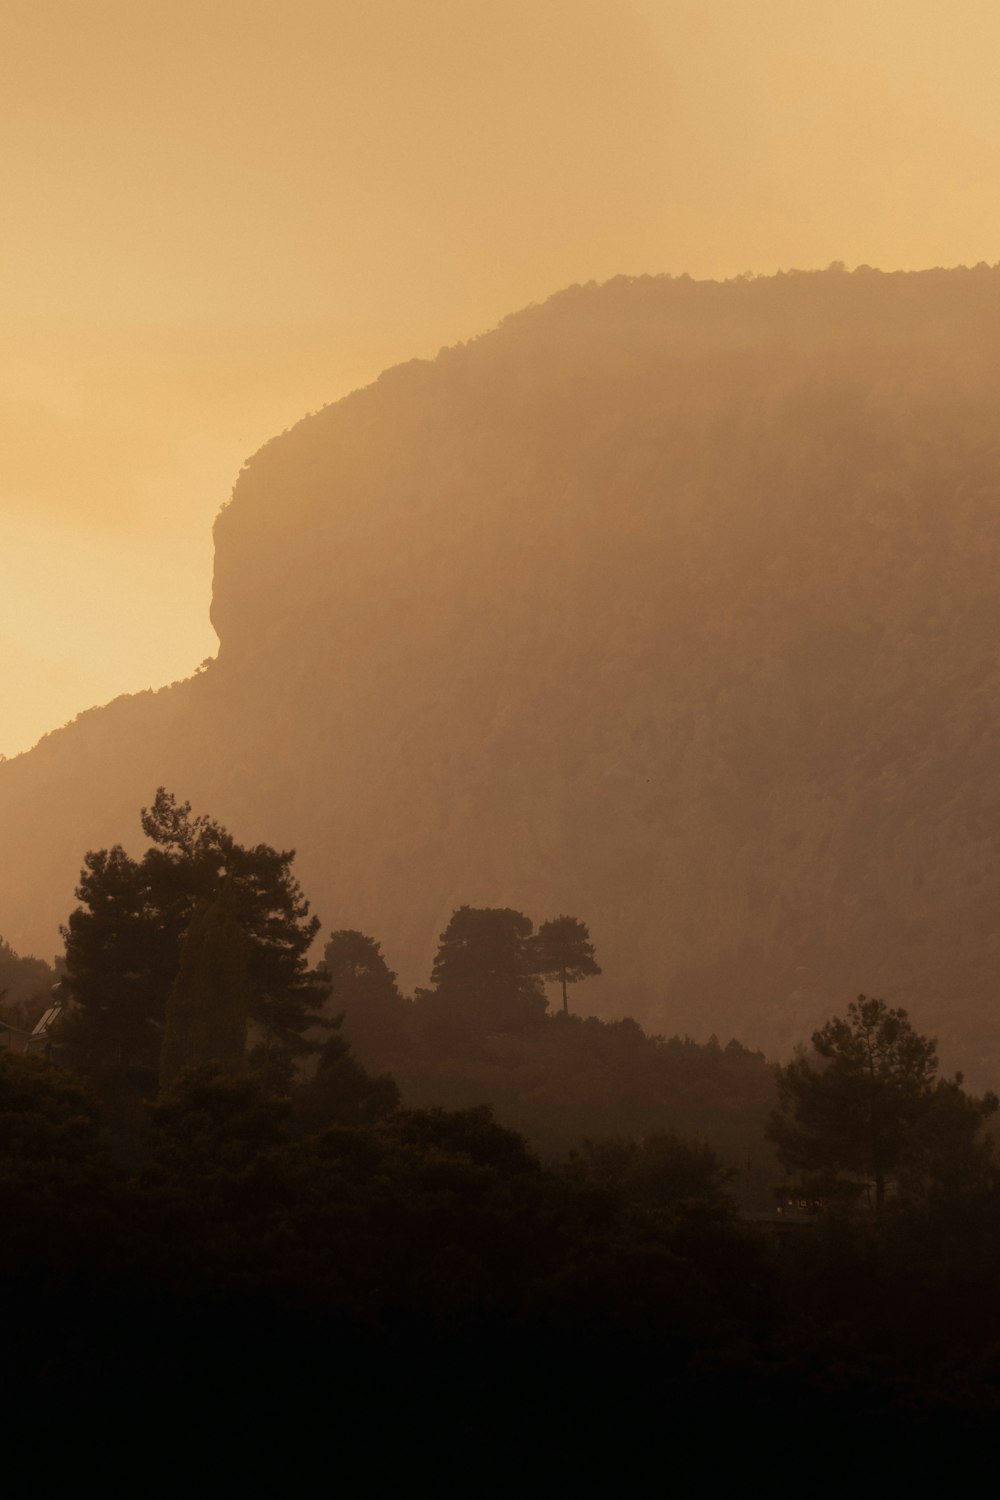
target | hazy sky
x=218, y=215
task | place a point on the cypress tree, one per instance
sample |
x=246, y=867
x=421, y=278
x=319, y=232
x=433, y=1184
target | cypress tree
x=208, y=1006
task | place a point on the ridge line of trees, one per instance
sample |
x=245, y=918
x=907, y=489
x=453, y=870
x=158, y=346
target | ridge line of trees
x=197, y=954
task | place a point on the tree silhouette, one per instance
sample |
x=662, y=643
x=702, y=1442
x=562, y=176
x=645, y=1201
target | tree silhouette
x=363, y=988
x=865, y=1105
x=124, y=941
x=565, y=953
x=485, y=971
x=356, y=971
x=342, y=1092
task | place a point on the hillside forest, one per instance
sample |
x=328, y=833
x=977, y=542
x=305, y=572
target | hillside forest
x=666, y=604
x=509, y=1222
x=622, y=686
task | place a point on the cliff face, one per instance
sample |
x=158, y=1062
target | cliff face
x=669, y=605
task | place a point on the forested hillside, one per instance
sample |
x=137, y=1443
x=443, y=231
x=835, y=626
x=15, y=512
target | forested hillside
x=669, y=604
x=24, y=986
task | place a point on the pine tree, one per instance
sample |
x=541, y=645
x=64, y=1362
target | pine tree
x=865, y=1107
x=124, y=941
x=565, y=953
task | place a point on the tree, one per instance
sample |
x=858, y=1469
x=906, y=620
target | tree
x=865, y=1104
x=565, y=952
x=48, y=1121
x=342, y=1092
x=214, y=1130
x=124, y=941
x=363, y=990
x=950, y=1155
x=662, y=1172
x=208, y=1007
x=485, y=971
x=356, y=971
x=25, y=986
x=471, y=1132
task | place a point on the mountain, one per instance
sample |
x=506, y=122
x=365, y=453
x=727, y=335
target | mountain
x=670, y=605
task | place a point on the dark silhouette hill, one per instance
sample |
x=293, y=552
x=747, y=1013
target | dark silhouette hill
x=669, y=605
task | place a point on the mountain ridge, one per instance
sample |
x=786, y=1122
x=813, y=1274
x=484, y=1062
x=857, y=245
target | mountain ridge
x=666, y=603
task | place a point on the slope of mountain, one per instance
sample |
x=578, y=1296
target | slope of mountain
x=670, y=605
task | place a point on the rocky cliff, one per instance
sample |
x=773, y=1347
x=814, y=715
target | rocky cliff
x=670, y=605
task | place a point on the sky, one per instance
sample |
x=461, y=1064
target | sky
x=220, y=215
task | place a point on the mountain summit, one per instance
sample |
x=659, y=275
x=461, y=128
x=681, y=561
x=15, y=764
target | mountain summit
x=669, y=604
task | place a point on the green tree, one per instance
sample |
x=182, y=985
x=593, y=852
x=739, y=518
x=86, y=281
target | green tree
x=864, y=1106
x=124, y=941
x=208, y=1006
x=485, y=972
x=565, y=953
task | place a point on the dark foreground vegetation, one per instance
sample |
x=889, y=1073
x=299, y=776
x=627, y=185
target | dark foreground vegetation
x=227, y=1242
x=424, y=1274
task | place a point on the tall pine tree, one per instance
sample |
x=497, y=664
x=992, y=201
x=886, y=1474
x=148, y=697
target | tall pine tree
x=565, y=953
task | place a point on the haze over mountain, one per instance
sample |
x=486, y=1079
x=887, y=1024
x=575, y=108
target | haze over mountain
x=668, y=604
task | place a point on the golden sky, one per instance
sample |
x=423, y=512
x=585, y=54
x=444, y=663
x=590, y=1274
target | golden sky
x=218, y=215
